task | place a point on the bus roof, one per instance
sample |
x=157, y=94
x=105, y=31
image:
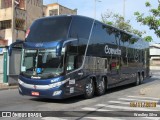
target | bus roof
x=43, y=18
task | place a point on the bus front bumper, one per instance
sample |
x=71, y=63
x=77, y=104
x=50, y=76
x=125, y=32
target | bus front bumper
x=33, y=90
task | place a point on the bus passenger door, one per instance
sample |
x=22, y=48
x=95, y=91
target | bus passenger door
x=74, y=74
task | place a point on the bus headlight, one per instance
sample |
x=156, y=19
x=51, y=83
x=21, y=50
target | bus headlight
x=57, y=84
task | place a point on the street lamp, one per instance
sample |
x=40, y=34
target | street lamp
x=95, y=7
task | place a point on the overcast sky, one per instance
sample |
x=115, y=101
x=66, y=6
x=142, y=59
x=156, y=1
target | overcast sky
x=86, y=8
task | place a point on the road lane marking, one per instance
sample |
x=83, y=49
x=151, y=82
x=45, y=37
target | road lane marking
x=131, y=100
x=110, y=118
x=126, y=108
x=52, y=118
x=103, y=118
x=152, y=98
x=128, y=103
x=94, y=109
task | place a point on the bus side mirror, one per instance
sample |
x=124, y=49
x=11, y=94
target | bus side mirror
x=15, y=44
x=61, y=47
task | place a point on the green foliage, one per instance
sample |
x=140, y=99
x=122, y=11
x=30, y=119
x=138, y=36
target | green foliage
x=147, y=4
x=152, y=20
x=118, y=21
x=148, y=38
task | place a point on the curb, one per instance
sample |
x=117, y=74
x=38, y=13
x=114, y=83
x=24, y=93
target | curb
x=6, y=87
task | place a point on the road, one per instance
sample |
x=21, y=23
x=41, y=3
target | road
x=116, y=99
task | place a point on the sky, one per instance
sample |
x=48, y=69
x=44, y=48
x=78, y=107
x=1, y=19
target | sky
x=87, y=8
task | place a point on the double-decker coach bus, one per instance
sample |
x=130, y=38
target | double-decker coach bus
x=65, y=56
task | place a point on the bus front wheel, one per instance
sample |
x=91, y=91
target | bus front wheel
x=89, y=89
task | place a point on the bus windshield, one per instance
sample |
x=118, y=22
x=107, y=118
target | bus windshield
x=49, y=29
x=41, y=63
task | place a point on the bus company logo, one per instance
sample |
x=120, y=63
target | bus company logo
x=39, y=45
x=112, y=50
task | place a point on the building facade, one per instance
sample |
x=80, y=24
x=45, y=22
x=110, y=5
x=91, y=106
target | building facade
x=57, y=9
x=155, y=55
x=18, y=15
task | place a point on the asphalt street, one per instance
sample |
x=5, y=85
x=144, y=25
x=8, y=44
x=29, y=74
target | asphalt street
x=116, y=99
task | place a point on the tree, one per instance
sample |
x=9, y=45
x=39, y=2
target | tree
x=118, y=21
x=152, y=20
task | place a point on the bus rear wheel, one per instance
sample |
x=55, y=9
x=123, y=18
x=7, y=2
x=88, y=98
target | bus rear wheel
x=89, y=89
x=141, y=79
x=101, y=87
x=137, y=80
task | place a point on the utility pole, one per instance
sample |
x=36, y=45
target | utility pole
x=124, y=6
x=95, y=7
x=13, y=19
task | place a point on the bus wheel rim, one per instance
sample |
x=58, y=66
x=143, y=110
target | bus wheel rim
x=101, y=85
x=137, y=80
x=89, y=88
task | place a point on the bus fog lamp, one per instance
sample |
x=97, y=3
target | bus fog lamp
x=57, y=92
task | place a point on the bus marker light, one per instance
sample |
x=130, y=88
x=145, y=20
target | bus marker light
x=27, y=33
x=35, y=93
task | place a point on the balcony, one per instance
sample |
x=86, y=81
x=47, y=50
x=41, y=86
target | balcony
x=6, y=33
x=20, y=13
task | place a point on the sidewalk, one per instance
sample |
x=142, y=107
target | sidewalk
x=5, y=86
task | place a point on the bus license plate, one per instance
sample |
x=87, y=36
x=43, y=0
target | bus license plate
x=35, y=93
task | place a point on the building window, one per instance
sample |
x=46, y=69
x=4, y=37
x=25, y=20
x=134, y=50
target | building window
x=53, y=12
x=6, y=3
x=20, y=24
x=5, y=24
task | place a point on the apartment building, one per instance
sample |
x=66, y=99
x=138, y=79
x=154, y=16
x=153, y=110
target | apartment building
x=17, y=15
x=57, y=9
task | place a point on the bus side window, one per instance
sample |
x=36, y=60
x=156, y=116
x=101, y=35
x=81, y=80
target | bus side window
x=70, y=63
x=106, y=63
x=72, y=53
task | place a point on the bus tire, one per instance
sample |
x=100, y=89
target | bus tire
x=141, y=79
x=89, y=89
x=101, y=87
x=137, y=80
